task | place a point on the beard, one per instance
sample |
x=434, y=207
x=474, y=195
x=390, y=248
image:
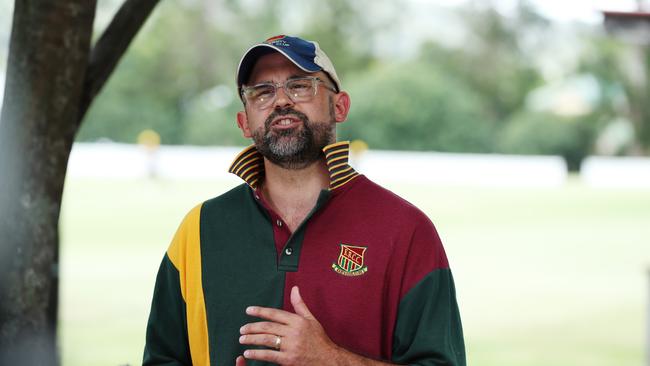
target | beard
x=294, y=148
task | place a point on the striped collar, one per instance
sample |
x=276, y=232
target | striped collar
x=249, y=165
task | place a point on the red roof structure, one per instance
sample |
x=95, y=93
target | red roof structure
x=632, y=27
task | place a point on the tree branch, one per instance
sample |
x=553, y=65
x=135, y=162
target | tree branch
x=111, y=46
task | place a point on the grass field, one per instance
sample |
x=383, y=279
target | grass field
x=545, y=276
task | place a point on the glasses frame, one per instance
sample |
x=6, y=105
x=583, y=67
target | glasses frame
x=314, y=79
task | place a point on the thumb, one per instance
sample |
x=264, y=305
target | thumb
x=299, y=306
x=240, y=361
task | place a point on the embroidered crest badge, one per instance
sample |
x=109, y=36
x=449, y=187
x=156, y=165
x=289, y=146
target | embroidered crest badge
x=350, y=261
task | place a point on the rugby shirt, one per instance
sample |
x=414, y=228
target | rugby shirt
x=370, y=267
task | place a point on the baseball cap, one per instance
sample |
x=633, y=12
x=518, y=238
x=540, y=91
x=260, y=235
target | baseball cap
x=307, y=55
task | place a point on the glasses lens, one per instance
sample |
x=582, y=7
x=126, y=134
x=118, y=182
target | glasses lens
x=260, y=95
x=300, y=89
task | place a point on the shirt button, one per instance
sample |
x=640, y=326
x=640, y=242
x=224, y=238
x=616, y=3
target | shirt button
x=279, y=223
x=288, y=251
x=257, y=197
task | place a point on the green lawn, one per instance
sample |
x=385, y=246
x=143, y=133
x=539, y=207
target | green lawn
x=545, y=276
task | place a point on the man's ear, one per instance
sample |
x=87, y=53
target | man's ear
x=341, y=106
x=242, y=122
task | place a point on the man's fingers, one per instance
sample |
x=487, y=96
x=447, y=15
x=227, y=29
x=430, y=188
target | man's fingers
x=264, y=355
x=264, y=328
x=240, y=361
x=274, y=315
x=299, y=306
x=266, y=340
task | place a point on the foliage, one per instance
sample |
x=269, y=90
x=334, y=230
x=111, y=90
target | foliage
x=623, y=72
x=494, y=61
x=178, y=78
x=207, y=121
x=548, y=134
x=154, y=81
x=416, y=107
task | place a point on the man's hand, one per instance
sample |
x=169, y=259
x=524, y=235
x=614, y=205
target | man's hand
x=293, y=339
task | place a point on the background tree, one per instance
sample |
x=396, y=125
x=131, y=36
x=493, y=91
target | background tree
x=417, y=106
x=52, y=78
x=623, y=74
x=179, y=78
x=497, y=59
x=184, y=89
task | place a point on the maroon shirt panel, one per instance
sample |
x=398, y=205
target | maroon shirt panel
x=359, y=312
x=281, y=232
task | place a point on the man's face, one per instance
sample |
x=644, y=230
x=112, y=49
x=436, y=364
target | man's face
x=291, y=135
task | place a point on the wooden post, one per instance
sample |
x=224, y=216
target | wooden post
x=647, y=320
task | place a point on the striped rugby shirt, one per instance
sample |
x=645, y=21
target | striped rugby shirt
x=370, y=267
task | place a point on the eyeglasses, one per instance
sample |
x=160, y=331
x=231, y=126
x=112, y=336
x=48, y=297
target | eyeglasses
x=262, y=96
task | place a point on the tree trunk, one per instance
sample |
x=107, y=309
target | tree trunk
x=48, y=54
x=52, y=78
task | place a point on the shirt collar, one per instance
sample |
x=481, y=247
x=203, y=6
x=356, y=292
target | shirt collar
x=249, y=165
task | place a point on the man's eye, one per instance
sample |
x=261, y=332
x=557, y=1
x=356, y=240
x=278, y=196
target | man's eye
x=300, y=85
x=262, y=92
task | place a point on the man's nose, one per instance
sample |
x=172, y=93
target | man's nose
x=282, y=99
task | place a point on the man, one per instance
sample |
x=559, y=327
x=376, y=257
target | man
x=308, y=262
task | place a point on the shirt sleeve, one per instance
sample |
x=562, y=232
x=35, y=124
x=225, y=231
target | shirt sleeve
x=177, y=328
x=166, y=336
x=428, y=328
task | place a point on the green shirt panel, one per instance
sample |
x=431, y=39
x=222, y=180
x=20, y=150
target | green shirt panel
x=239, y=269
x=167, y=342
x=429, y=330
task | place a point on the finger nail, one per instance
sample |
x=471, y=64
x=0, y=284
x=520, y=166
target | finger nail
x=242, y=339
x=247, y=354
x=250, y=310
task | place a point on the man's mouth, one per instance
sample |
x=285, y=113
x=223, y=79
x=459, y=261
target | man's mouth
x=285, y=122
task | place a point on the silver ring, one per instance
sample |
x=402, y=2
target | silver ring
x=278, y=342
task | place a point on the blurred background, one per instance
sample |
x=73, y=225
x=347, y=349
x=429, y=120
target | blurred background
x=531, y=118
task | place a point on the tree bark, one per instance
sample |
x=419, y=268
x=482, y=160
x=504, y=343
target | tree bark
x=51, y=81
x=48, y=53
